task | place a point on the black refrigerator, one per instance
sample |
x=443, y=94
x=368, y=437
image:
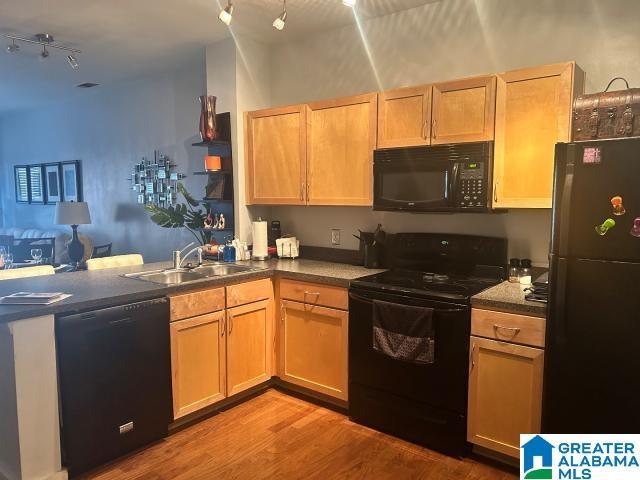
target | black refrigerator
x=592, y=355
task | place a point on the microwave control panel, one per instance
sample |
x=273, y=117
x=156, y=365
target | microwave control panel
x=472, y=185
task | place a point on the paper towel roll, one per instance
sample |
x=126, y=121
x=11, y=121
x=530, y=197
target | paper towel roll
x=260, y=241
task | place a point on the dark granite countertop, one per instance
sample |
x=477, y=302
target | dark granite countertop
x=508, y=297
x=103, y=288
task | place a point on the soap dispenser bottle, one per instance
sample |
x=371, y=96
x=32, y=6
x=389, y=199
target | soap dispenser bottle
x=229, y=252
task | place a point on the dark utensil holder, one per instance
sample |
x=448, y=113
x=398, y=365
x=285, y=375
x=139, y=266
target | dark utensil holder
x=371, y=255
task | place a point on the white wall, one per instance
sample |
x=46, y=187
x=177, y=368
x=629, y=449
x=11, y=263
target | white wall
x=442, y=41
x=110, y=129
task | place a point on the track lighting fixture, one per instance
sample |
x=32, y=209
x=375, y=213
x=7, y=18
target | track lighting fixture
x=73, y=62
x=349, y=3
x=45, y=40
x=227, y=13
x=13, y=48
x=278, y=23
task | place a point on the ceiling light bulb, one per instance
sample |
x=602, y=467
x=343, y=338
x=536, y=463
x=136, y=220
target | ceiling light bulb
x=45, y=53
x=227, y=14
x=73, y=62
x=349, y=3
x=13, y=48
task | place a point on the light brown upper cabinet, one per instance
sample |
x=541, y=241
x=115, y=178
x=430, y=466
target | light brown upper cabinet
x=533, y=113
x=275, y=150
x=404, y=117
x=463, y=110
x=341, y=137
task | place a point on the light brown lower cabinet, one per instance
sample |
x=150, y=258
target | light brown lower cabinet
x=250, y=340
x=198, y=362
x=314, y=347
x=505, y=394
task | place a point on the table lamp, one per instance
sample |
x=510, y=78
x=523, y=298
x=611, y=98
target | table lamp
x=74, y=214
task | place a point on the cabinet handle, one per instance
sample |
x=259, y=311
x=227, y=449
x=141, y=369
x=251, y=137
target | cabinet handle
x=302, y=191
x=514, y=330
x=433, y=128
x=307, y=191
x=283, y=311
x=473, y=360
x=223, y=323
x=495, y=192
x=424, y=130
x=230, y=323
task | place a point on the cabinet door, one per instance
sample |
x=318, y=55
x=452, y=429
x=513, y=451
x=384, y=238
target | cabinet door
x=404, y=117
x=197, y=362
x=533, y=113
x=250, y=344
x=341, y=138
x=505, y=394
x=314, y=348
x=275, y=144
x=464, y=110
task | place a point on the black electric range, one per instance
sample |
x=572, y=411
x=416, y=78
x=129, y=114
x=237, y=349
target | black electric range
x=423, y=403
x=453, y=286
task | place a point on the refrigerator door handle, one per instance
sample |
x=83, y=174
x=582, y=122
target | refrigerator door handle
x=559, y=307
x=565, y=213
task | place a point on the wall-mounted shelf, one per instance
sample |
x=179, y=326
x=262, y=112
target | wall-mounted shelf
x=219, y=182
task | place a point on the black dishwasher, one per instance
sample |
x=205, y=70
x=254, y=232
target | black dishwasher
x=114, y=371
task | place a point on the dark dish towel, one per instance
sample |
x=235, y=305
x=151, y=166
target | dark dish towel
x=403, y=332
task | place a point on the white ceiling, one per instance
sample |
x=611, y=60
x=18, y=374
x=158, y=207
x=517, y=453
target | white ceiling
x=126, y=39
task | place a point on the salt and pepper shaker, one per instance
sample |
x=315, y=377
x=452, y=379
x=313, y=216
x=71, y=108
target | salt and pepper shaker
x=525, y=272
x=514, y=270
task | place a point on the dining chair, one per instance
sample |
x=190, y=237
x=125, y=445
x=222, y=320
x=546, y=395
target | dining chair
x=116, y=261
x=101, y=251
x=22, y=247
x=37, y=271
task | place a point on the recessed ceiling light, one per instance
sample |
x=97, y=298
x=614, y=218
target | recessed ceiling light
x=226, y=14
x=349, y=3
x=279, y=22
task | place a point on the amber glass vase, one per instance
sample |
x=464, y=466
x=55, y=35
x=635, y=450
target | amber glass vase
x=208, y=131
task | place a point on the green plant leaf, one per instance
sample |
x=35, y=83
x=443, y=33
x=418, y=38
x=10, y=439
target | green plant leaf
x=187, y=196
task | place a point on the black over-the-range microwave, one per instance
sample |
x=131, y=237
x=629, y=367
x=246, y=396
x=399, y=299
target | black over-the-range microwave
x=440, y=178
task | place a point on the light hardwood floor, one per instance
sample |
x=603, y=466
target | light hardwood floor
x=277, y=436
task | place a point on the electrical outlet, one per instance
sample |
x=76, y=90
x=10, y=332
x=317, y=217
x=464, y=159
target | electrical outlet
x=335, y=236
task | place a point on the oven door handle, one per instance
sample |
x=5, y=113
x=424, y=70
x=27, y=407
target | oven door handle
x=436, y=310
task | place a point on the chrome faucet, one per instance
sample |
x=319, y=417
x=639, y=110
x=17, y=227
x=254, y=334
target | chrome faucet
x=179, y=259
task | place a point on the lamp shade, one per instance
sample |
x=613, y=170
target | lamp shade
x=72, y=213
x=212, y=163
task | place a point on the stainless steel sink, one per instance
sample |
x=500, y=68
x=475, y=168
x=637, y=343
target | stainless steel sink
x=167, y=277
x=188, y=275
x=220, y=269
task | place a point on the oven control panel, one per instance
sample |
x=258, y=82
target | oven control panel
x=472, y=185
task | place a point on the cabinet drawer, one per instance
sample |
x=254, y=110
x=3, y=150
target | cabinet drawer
x=249, y=292
x=314, y=294
x=508, y=327
x=196, y=303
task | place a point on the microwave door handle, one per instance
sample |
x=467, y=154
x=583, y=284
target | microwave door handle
x=453, y=182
